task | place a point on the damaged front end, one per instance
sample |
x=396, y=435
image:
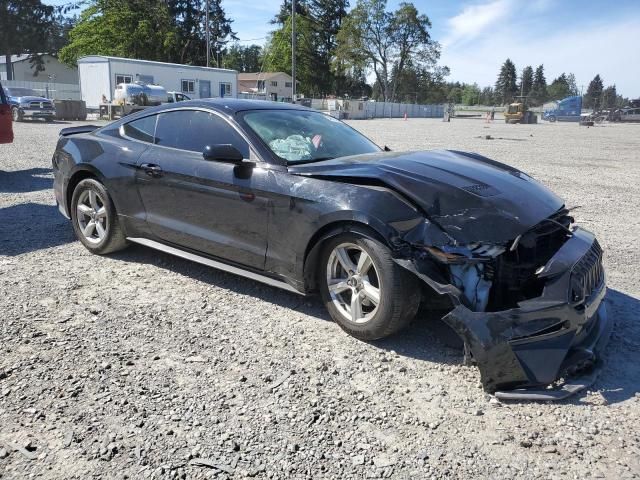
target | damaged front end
x=529, y=311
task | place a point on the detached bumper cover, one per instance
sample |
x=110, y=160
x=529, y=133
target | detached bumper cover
x=557, y=334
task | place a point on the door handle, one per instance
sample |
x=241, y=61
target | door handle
x=152, y=169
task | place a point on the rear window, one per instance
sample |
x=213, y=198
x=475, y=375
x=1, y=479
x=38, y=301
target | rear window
x=142, y=129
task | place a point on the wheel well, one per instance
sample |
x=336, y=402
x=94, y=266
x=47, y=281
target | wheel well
x=73, y=182
x=314, y=247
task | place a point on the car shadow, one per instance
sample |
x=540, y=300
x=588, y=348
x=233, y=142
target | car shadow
x=427, y=338
x=619, y=379
x=21, y=181
x=28, y=227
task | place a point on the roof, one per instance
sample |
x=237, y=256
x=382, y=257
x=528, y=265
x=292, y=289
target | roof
x=103, y=59
x=248, y=77
x=20, y=58
x=229, y=106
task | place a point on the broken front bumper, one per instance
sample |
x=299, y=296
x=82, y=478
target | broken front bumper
x=557, y=334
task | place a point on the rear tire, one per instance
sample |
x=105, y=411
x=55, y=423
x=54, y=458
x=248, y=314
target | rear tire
x=94, y=218
x=373, y=297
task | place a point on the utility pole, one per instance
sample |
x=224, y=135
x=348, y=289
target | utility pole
x=293, y=50
x=208, y=34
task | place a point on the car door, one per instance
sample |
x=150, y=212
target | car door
x=214, y=207
x=6, y=123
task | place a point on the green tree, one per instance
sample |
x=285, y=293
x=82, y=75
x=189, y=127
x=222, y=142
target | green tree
x=373, y=39
x=573, y=88
x=26, y=26
x=277, y=53
x=559, y=88
x=506, y=87
x=243, y=58
x=593, y=97
x=526, y=81
x=609, y=97
x=471, y=94
x=327, y=17
x=125, y=28
x=487, y=96
x=539, y=93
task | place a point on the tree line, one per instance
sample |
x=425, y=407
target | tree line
x=339, y=50
x=533, y=86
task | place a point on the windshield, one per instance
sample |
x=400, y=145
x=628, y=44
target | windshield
x=300, y=136
x=21, y=92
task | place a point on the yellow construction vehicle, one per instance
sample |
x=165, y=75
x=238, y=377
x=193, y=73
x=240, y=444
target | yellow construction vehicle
x=518, y=112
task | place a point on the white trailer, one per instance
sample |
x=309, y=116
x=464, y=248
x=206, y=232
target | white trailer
x=99, y=76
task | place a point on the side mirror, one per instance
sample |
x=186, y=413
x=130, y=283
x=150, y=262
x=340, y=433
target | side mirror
x=223, y=152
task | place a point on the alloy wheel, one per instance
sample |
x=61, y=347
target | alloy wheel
x=353, y=282
x=92, y=216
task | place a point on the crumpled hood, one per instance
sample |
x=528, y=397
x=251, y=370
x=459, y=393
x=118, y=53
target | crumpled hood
x=472, y=198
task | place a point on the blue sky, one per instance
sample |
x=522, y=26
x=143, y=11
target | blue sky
x=580, y=36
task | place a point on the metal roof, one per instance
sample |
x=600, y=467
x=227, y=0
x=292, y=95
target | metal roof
x=103, y=58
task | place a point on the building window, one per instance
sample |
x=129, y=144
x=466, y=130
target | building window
x=188, y=86
x=274, y=84
x=120, y=78
x=261, y=85
x=225, y=89
x=287, y=84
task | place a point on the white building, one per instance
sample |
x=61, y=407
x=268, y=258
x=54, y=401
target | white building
x=275, y=85
x=23, y=71
x=99, y=76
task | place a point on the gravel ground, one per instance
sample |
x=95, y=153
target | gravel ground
x=141, y=365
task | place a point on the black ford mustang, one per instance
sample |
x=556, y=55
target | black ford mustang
x=296, y=199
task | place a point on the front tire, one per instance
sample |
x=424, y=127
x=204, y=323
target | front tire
x=364, y=290
x=17, y=115
x=94, y=218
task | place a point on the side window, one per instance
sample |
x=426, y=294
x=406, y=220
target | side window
x=194, y=129
x=142, y=129
x=188, y=86
x=120, y=78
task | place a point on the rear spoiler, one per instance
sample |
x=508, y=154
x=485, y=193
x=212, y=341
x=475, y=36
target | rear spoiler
x=65, y=132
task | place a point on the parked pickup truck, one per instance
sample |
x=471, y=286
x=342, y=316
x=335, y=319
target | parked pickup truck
x=26, y=103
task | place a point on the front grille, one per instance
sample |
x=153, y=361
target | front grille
x=38, y=105
x=587, y=274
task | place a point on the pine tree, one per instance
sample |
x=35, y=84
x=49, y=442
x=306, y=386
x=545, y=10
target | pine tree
x=559, y=88
x=593, y=97
x=327, y=18
x=526, y=81
x=539, y=93
x=573, y=88
x=506, y=84
x=609, y=97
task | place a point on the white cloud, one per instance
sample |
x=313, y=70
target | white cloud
x=584, y=49
x=475, y=20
